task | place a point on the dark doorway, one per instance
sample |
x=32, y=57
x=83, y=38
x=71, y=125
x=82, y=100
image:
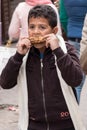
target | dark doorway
x=7, y=8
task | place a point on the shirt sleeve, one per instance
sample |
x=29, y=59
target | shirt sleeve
x=14, y=27
x=8, y=77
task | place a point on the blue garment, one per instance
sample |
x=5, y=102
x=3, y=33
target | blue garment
x=76, y=11
x=76, y=45
x=78, y=88
x=41, y=55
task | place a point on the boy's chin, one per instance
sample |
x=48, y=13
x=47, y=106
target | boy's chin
x=39, y=45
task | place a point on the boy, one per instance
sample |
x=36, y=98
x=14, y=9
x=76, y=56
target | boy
x=43, y=106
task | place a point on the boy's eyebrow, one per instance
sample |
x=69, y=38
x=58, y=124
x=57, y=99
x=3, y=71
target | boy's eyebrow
x=39, y=24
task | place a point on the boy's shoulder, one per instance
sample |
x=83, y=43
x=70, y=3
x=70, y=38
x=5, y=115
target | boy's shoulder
x=69, y=46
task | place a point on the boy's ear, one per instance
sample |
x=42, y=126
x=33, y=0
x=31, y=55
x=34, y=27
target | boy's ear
x=55, y=30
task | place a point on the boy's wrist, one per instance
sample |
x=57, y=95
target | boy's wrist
x=58, y=52
x=18, y=56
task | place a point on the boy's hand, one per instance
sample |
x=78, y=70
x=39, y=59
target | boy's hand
x=23, y=45
x=52, y=41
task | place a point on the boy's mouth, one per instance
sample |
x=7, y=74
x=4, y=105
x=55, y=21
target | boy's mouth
x=37, y=40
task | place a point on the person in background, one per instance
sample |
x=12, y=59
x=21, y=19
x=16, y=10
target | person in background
x=76, y=11
x=63, y=15
x=83, y=42
x=18, y=26
x=33, y=69
x=83, y=102
x=63, y=18
x=83, y=49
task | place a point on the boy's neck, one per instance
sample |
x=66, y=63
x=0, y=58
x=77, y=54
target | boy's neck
x=42, y=49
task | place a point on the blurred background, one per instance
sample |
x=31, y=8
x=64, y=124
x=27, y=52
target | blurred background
x=6, y=9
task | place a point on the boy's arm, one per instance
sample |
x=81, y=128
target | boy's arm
x=8, y=78
x=69, y=65
x=10, y=73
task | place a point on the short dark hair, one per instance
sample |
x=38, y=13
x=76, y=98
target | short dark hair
x=44, y=11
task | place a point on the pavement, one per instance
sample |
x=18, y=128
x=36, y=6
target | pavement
x=9, y=109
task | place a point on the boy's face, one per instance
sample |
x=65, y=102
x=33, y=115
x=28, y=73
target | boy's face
x=39, y=27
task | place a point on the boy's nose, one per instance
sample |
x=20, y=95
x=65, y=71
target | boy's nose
x=36, y=30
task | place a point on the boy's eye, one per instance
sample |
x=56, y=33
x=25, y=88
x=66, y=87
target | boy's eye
x=42, y=27
x=31, y=27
